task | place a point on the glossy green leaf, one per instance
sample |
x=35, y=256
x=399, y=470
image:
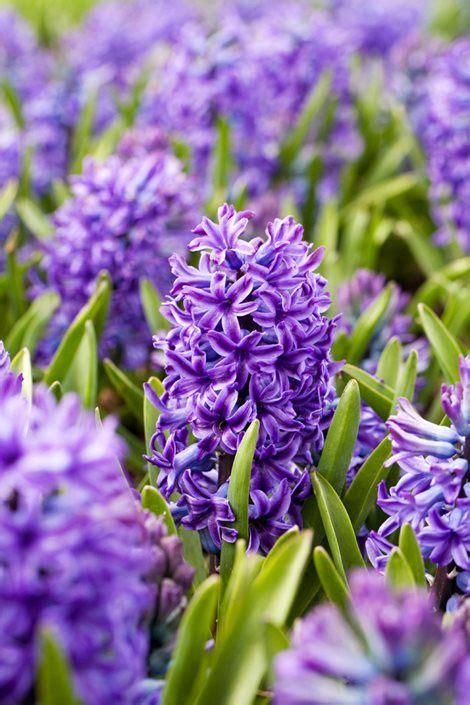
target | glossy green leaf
x=151, y=303
x=7, y=197
x=377, y=395
x=189, y=656
x=95, y=310
x=443, y=343
x=367, y=325
x=409, y=546
x=28, y=329
x=338, y=528
x=54, y=679
x=36, y=221
x=407, y=379
x=238, y=495
x=332, y=583
x=155, y=503
x=130, y=392
x=360, y=498
x=82, y=374
x=398, y=571
x=389, y=364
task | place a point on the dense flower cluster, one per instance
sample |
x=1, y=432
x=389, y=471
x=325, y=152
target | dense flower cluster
x=126, y=216
x=253, y=59
x=442, y=121
x=380, y=26
x=390, y=648
x=78, y=556
x=249, y=339
x=432, y=493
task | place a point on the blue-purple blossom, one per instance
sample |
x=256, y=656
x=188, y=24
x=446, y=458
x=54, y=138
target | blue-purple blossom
x=433, y=491
x=441, y=118
x=256, y=70
x=125, y=215
x=389, y=648
x=249, y=339
x=78, y=555
x=380, y=25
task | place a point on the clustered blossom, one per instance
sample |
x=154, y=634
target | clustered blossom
x=442, y=121
x=433, y=492
x=249, y=339
x=256, y=70
x=78, y=555
x=380, y=26
x=354, y=298
x=125, y=215
x=389, y=648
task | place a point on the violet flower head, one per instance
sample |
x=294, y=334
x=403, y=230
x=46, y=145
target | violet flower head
x=126, y=216
x=442, y=121
x=78, y=554
x=389, y=648
x=249, y=339
x=433, y=492
x=380, y=26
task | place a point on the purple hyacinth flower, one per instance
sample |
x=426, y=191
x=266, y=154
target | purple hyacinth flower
x=249, y=339
x=432, y=493
x=372, y=654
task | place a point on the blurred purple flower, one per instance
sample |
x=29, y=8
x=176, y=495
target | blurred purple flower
x=388, y=648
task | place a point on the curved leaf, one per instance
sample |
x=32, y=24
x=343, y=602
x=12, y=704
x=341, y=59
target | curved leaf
x=398, y=572
x=54, y=681
x=409, y=546
x=377, y=395
x=130, y=393
x=332, y=583
x=155, y=503
x=443, y=343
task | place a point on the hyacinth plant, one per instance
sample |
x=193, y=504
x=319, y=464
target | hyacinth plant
x=292, y=385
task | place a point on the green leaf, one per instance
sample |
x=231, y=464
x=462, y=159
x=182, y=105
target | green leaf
x=338, y=528
x=95, y=310
x=151, y=414
x=155, y=503
x=189, y=656
x=81, y=140
x=332, y=583
x=398, y=572
x=54, y=680
x=367, y=325
x=315, y=102
x=82, y=374
x=326, y=230
x=7, y=197
x=151, y=303
x=13, y=102
x=407, y=379
x=130, y=393
x=193, y=553
x=389, y=364
x=238, y=495
x=28, y=329
x=379, y=194
x=222, y=157
x=34, y=219
x=280, y=576
x=341, y=438
x=377, y=395
x=21, y=364
x=443, y=343
x=361, y=495
x=411, y=551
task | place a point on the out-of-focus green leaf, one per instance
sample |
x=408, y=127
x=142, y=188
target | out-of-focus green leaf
x=238, y=496
x=34, y=218
x=189, y=656
x=130, y=392
x=54, y=680
x=411, y=551
x=82, y=136
x=155, y=503
x=151, y=303
x=95, y=310
x=380, y=193
x=193, y=553
x=7, y=197
x=388, y=367
x=332, y=583
x=398, y=571
x=367, y=324
x=222, y=158
x=361, y=495
x=82, y=374
x=13, y=102
x=443, y=343
x=151, y=414
x=338, y=528
x=28, y=329
x=374, y=393
x=21, y=364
